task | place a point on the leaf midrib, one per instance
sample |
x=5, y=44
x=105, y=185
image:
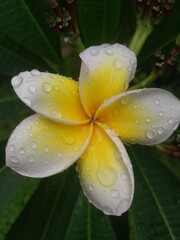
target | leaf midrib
x=40, y=30
x=155, y=198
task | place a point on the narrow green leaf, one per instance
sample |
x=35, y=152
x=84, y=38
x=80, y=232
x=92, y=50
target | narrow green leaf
x=49, y=210
x=156, y=206
x=18, y=22
x=16, y=58
x=88, y=223
x=15, y=191
x=98, y=20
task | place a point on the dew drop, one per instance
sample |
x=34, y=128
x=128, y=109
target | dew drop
x=46, y=149
x=37, y=123
x=170, y=121
x=14, y=159
x=47, y=87
x=135, y=106
x=30, y=159
x=28, y=127
x=60, y=154
x=160, y=130
x=124, y=176
x=16, y=81
x=35, y=73
x=136, y=121
x=76, y=149
x=148, y=119
x=114, y=193
x=33, y=145
x=132, y=61
x=124, y=100
x=118, y=64
x=91, y=188
x=88, y=168
x=129, y=69
x=94, y=52
x=109, y=51
x=21, y=151
x=150, y=134
x=106, y=175
x=161, y=114
x=32, y=89
x=11, y=148
x=68, y=140
x=157, y=102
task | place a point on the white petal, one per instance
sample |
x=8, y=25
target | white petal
x=51, y=95
x=145, y=116
x=106, y=173
x=39, y=147
x=106, y=71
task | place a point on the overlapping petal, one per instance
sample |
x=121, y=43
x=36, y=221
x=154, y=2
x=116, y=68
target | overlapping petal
x=39, y=147
x=52, y=95
x=106, y=173
x=147, y=116
x=106, y=71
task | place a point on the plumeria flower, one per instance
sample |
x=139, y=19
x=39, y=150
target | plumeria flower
x=88, y=122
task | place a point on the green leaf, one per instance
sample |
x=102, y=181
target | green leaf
x=49, y=211
x=88, y=223
x=155, y=210
x=16, y=58
x=21, y=24
x=15, y=191
x=98, y=20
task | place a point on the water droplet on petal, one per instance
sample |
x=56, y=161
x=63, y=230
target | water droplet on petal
x=11, y=148
x=16, y=81
x=170, y=121
x=161, y=114
x=30, y=159
x=157, y=102
x=21, y=151
x=118, y=64
x=34, y=145
x=109, y=51
x=35, y=73
x=91, y=188
x=124, y=176
x=60, y=154
x=47, y=87
x=28, y=127
x=46, y=149
x=150, y=134
x=94, y=51
x=68, y=140
x=124, y=100
x=114, y=193
x=14, y=159
x=160, y=130
x=148, y=119
x=106, y=175
x=32, y=89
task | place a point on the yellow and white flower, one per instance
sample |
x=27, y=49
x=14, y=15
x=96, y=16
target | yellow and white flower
x=87, y=122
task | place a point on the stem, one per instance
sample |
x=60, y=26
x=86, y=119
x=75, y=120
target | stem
x=146, y=81
x=142, y=32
